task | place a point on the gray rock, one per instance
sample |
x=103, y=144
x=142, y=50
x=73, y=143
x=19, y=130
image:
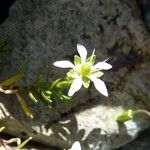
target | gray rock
x=141, y=143
x=44, y=31
x=145, y=11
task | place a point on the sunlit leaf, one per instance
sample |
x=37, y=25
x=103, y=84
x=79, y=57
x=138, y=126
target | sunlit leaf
x=46, y=97
x=126, y=115
x=66, y=97
x=55, y=82
x=32, y=96
x=64, y=83
x=39, y=96
x=48, y=92
x=12, y=80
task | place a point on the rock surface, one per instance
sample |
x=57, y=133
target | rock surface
x=141, y=143
x=43, y=31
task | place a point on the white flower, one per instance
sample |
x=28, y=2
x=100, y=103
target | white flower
x=83, y=71
x=76, y=146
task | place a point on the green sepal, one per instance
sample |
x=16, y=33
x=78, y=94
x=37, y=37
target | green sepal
x=97, y=74
x=86, y=82
x=77, y=60
x=91, y=59
x=72, y=74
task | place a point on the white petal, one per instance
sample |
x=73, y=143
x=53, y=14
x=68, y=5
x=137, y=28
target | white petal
x=76, y=146
x=102, y=66
x=82, y=52
x=64, y=64
x=100, y=86
x=75, y=86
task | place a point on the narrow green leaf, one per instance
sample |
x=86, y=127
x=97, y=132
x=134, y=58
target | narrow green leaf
x=46, y=97
x=45, y=101
x=24, y=105
x=65, y=97
x=12, y=80
x=48, y=92
x=54, y=83
x=64, y=83
x=126, y=115
x=32, y=96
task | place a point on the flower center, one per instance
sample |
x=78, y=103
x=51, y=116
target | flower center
x=85, y=69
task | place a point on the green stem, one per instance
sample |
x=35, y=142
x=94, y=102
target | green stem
x=143, y=111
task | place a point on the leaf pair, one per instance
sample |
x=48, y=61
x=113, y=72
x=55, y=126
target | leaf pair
x=130, y=114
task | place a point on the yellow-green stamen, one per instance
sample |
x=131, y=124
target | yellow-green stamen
x=85, y=69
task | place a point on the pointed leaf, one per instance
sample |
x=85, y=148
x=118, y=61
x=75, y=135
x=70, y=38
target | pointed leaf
x=55, y=83
x=24, y=105
x=32, y=96
x=64, y=83
x=45, y=97
x=12, y=80
x=126, y=115
x=65, y=97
